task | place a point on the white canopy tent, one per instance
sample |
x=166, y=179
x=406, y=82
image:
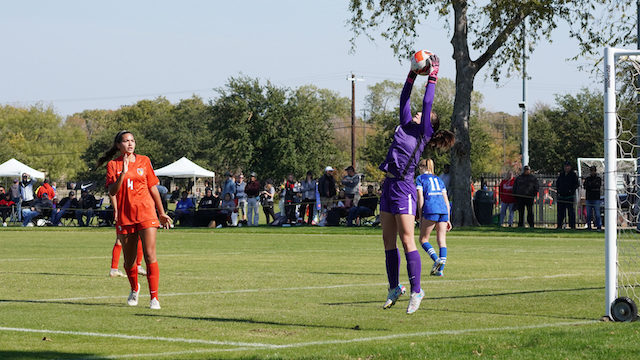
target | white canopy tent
x=185, y=168
x=14, y=168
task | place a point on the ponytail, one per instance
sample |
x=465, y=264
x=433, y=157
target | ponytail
x=113, y=150
x=441, y=140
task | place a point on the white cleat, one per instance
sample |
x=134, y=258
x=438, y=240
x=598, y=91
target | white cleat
x=133, y=297
x=414, y=302
x=141, y=271
x=436, y=266
x=115, y=273
x=393, y=296
x=155, y=304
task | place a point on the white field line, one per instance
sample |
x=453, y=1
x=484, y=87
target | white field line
x=242, y=346
x=241, y=291
x=136, y=337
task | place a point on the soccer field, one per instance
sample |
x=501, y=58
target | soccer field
x=307, y=293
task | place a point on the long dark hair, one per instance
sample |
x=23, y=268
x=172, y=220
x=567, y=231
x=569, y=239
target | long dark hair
x=441, y=140
x=113, y=150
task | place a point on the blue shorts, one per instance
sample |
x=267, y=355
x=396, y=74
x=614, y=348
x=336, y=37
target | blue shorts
x=398, y=197
x=436, y=217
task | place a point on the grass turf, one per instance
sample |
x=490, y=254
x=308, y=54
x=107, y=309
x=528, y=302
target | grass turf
x=307, y=293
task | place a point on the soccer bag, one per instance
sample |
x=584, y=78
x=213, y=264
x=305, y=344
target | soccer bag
x=333, y=217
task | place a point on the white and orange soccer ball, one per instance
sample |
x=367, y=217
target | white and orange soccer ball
x=420, y=63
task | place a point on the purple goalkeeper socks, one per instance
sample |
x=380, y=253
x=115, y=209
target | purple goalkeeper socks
x=414, y=268
x=393, y=267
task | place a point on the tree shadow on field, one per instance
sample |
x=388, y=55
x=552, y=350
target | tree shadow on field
x=344, y=273
x=252, y=321
x=47, y=274
x=15, y=355
x=62, y=302
x=511, y=293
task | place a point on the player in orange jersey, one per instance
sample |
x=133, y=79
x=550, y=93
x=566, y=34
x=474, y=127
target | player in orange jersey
x=131, y=179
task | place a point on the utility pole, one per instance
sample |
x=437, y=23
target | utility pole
x=523, y=104
x=353, y=80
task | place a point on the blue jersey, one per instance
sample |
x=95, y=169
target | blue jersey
x=433, y=190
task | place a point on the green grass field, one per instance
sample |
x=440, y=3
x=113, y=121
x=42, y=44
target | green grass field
x=307, y=293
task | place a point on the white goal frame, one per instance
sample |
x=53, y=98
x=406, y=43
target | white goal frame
x=611, y=56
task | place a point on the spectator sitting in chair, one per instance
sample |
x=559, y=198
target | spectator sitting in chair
x=185, y=209
x=86, y=204
x=338, y=211
x=208, y=210
x=5, y=207
x=41, y=206
x=366, y=206
x=66, y=205
x=229, y=209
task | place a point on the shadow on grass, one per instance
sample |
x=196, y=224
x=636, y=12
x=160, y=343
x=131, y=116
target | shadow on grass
x=257, y=322
x=47, y=274
x=61, y=302
x=528, y=292
x=343, y=273
x=14, y=355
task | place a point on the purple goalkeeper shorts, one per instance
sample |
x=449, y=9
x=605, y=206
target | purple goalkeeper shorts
x=398, y=197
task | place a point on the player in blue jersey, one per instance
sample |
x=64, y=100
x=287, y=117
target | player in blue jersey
x=398, y=199
x=433, y=203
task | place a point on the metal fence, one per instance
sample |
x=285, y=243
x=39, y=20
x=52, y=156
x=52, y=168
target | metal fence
x=545, y=202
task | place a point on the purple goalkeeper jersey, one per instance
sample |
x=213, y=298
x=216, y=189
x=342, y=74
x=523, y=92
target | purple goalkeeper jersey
x=409, y=139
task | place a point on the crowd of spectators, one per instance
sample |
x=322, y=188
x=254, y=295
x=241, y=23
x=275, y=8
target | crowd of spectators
x=238, y=203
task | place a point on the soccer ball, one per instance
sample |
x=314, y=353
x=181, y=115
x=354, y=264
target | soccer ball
x=41, y=222
x=420, y=63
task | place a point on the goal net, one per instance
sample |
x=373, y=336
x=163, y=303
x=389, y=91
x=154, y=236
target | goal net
x=621, y=181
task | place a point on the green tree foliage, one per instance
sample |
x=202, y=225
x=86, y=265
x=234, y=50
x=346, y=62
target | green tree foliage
x=573, y=129
x=249, y=127
x=38, y=137
x=273, y=131
x=142, y=119
x=506, y=135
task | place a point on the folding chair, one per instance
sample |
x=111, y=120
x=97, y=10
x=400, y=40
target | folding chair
x=14, y=218
x=371, y=220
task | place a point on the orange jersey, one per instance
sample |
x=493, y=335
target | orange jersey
x=134, y=202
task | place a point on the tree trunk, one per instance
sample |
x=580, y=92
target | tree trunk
x=462, y=207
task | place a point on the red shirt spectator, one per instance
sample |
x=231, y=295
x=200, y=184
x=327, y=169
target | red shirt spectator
x=46, y=188
x=506, y=191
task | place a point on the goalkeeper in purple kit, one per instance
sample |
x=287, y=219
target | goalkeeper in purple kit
x=398, y=200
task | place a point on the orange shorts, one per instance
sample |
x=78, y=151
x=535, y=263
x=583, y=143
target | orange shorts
x=130, y=229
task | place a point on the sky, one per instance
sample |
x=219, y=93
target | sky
x=79, y=55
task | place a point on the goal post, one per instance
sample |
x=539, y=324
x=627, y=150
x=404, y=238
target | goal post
x=621, y=95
